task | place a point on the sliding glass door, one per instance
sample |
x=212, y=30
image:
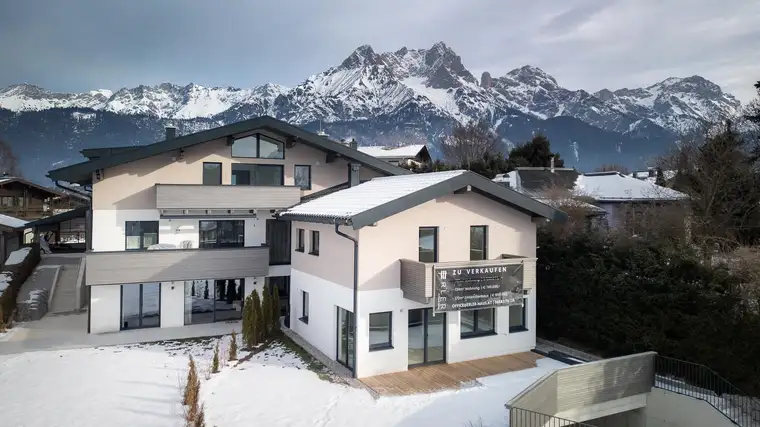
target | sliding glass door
x=140, y=305
x=427, y=337
x=208, y=301
x=346, y=340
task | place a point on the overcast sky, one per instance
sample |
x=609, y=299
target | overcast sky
x=78, y=45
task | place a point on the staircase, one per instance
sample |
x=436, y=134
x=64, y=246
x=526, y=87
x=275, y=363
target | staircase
x=65, y=296
x=51, y=288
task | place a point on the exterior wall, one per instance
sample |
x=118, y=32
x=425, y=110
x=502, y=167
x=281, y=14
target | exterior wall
x=105, y=308
x=131, y=186
x=335, y=262
x=668, y=409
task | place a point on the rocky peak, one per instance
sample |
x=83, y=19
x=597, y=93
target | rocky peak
x=361, y=56
x=533, y=76
x=486, y=81
x=445, y=68
x=605, y=95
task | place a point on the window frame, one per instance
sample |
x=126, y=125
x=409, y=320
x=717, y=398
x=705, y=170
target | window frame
x=252, y=173
x=308, y=168
x=388, y=345
x=140, y=234
x=257, y=137
x=475, y=333
x=524, y=326
x=304, y=307
x=217, y=246
x=300, y=240
x=435, y=243
x=314, y=236
x=485, y=242
x=203, y=176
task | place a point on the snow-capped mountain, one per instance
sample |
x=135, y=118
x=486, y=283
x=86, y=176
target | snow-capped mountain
x=407, y=95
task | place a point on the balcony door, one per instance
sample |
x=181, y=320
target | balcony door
x=345, y=336
x=140, y=305
x=427, y=337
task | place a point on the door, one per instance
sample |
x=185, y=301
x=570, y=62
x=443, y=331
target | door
x=427, y=337
x=140, y=305
x=345, y=338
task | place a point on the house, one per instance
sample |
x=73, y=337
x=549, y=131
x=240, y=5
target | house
x=11, y=230
x=24, y=199
x=184, y=229
x=401, y=156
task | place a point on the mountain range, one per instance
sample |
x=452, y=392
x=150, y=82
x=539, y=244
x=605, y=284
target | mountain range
x=393, y=98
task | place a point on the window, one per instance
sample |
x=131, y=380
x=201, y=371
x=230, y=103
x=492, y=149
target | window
x=222, y=234
x=428, y=244
x=314, y=243
x=518, y=315
x=140, y=234
x=246, y=174
x=299, y=240
x=212, y=174
x=477, y=323
x=278, y=240
x=304, y=307
x=258, y=146
x=478, y=248
x=380, y=331
x=302, y=176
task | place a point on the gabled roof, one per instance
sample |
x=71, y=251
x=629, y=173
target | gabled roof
x=616, y=187
x=540, y=179
x=12, y=179
x=82, y=172
x=383, y=197
x=79, y=212
x=381, y=152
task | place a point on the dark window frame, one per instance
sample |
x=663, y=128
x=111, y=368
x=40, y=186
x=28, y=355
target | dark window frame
x=140, y=234
x=314, y=249
x=258, y=136
x=524, y=326
x=476, y=332
x=204, y=172
x=485, y=242
x=388, y=345
x=258, y=165
x=300, y=240
x=278, y=235
x=295, y=168
x=435, y=243
x=140, y=300
x=304, y=307
x=202, y=245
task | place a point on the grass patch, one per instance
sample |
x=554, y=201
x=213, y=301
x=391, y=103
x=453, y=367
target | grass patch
x=310, y=361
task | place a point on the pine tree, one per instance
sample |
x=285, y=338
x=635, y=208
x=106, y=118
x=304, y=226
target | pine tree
x=248, y=326
x=231, y=292
x=233, y=347
x=205, y=291
x=266, y=312
x=215, y=361
x=258, y=327
x=275, y=308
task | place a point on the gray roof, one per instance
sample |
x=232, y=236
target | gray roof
x=82, y=172
x=383, y=197
x=540, y=179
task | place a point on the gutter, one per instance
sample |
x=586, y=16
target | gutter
x=356, y=292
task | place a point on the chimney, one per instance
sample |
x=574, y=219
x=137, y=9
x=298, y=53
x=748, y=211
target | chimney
x=551, y=164
x=353, y=174
x=353, y=144
x=171, y=132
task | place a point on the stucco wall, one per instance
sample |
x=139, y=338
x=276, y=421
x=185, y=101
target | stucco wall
x=335, y=262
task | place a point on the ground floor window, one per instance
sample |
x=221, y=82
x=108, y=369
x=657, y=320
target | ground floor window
x=427, y=337
x=380, y=331
x=477, y=323
x=518, y=315
x=208, y=301
x=346, y=340
x=304, y=307
x=140, y=305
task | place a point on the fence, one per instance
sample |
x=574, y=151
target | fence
x=519, y=417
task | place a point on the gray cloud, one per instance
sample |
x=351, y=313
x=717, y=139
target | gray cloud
x=78, y=45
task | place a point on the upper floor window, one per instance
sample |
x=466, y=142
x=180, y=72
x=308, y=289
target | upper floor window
x=258, y=146
x=428, y=244
x=478, y=248
x=314, y=242
x=222, y=234
x=300, y=245
x=302, y=176
x=247, y=174
x=212, y=174
x=140, y=234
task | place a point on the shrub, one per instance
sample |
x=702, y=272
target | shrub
x=215, y=361
x=249, y=327
x=258, y=326
x=266, y=312
x=275, y=309
x=233, y=347
x=15, y=275
x=192, y=386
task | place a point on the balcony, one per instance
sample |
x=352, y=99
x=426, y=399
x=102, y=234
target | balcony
x=201, y=198
x=417, y=278
x=112, y=268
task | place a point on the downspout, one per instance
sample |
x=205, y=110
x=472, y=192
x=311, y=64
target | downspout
x=356, y=292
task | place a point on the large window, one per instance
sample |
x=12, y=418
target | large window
x=258, y=146
x=314, y=243
x=300, y=244
x=245, y=174
x=428, y=244
x=304, y=307
x=478, y=243
x=140, y=234
x=278, y=240
x=222, y=234
x=477, y=323
x=212, y=174
x=140, y=305
x=518, y=315
x=302, y=176
x=380, y=331
x=209, y=301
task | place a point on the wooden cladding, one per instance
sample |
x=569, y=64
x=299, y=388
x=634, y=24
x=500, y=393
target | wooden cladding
x=181, y=196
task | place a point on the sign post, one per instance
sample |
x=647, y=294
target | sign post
x=476, y=287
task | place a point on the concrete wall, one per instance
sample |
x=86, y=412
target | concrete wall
x=668, y=409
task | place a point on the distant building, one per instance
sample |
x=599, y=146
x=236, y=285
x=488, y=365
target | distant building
x=400, y=156
x=26, y=200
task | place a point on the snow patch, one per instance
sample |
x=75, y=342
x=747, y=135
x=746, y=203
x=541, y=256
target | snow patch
x=18, y=256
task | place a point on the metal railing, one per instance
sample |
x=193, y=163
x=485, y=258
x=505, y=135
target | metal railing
x=519, y=417
x=701, y=382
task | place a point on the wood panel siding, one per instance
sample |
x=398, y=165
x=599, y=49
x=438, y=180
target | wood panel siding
x=188, y=196
x=112, y=268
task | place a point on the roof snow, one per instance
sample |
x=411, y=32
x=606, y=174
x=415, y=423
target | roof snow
x=11, y=222
x=616, y=187
x=391, y=152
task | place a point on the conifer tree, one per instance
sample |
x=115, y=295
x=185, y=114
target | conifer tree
x=205, y=291
x=258, y=330
x=233, y=347
x=231, y=291
x=266, y=312
x=248, y=322
x=275, y=308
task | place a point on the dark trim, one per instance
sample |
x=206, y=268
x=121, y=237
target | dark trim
x=140, y=304
x=82, y=172
x=389, y=344
x=300, y=240
x=258, y=147
x=312, y=250
x=485, y=241
x=262, y=246
x=305, y=303
x=94, y=153
x=435, y=242
x=356, y=292
x=476, y=333
x=294, y=175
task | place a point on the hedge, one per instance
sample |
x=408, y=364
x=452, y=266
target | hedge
x=18, y=273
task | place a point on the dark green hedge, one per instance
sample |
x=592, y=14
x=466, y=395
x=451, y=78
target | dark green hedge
x=620, y=297
x=19, y=273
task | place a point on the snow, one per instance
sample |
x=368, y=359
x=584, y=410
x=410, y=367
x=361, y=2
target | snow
x=614, y=186
x=139, y=385
x=392, y=152
x=5, y=279
x=11, y=222
x=18, y=256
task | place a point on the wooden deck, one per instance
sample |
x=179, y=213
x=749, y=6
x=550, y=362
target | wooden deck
x=427, y=379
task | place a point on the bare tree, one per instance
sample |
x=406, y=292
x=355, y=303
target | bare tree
x=8, y=160
x=610, y=167
x=469, y=143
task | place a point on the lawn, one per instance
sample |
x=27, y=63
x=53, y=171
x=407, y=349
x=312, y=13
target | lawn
x=139, y=385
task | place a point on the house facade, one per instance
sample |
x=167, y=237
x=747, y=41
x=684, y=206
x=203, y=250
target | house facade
x=26, y=200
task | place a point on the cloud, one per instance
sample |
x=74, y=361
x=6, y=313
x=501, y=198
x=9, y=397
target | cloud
x=79, y=45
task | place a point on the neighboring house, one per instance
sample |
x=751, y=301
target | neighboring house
x=650, y=175
x=184, y=229
x=400, y=156
x=11, y=230
x=26, y=200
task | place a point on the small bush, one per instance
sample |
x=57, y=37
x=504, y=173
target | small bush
x=248, y=323
x=215, y=361
x=233, y=347
x=275, y=309
x=200, y=417
x=257, y=319
x=192, y=385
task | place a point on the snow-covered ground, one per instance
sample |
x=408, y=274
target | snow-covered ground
x=139, y=385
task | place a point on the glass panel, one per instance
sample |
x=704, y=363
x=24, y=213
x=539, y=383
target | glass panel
x=467, y=322
x=516, y=317
x=435, y=330
x=267, y=175
x=245, y=147
x=228, y=304
x=278, y=240
x=299, y=240
x=212, y=174
x=130, y=306
x=240, y=175
x=477, y=243
x=132, y=232
x=427, y=245
x=486, y=320
x=314, y=243
x=271, y=149
x=351, y=341
x=151, y=305
x=416, y=337
x=379, y=330
x=342, y=336
x=302, y=177
x=283, y=289
x=221, y=234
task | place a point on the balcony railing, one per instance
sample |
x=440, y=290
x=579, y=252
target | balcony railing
x=189, y=197
x=120, y=267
